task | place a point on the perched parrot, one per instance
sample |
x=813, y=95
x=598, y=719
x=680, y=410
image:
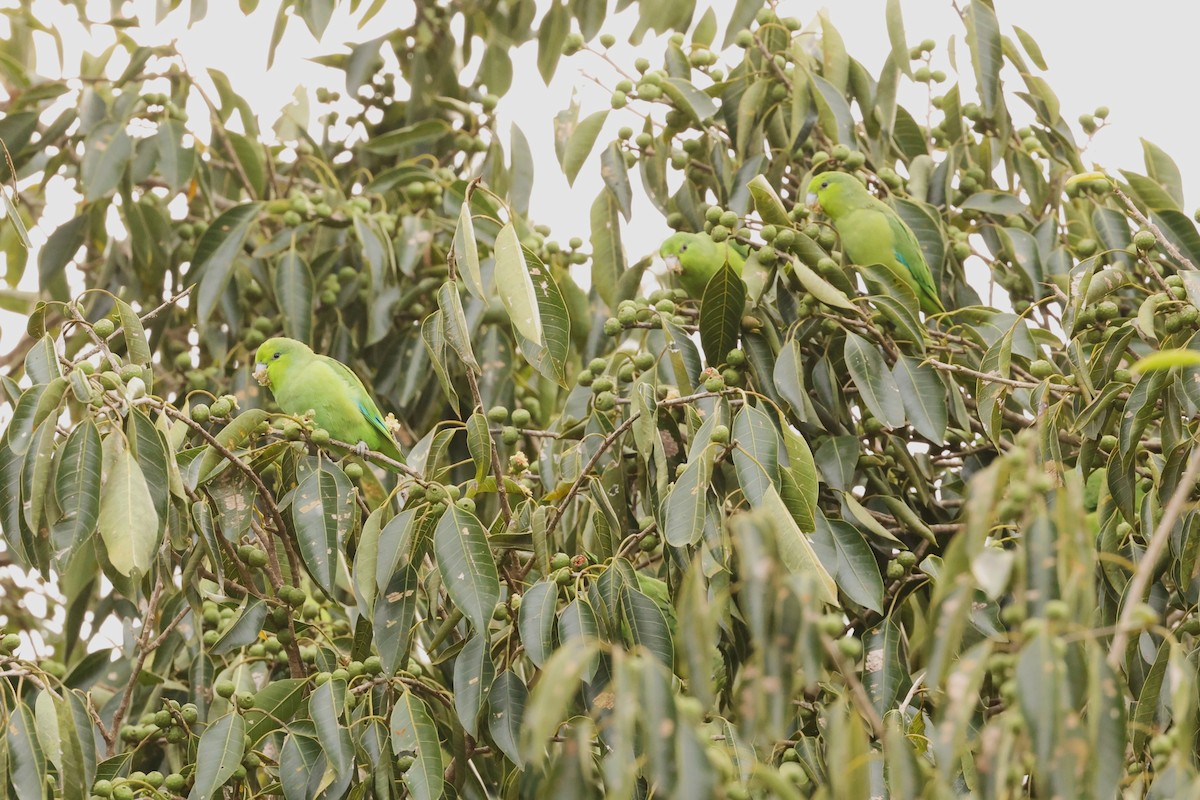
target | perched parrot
x=302, y=381
x=694, y=258
x=872, y=233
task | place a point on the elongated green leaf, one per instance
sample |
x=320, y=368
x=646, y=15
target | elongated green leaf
x=983, y=37
x=874, y=380
x=550, y=701
x=245, y=628
x=616, y=177
x=689, y=99
x=506, y=710
x=27, y=768
x=756, y=455
x=414, y=734
x=106, y=154
x=326, y=706
x=218, y=755
x=322, y=510
x=301, y=763
x=536, y=620
x=550, y=356
x=466, y=564
x=466, y=250
x=294, y=293
x=608, y=254
x=721, y=314
x=579, y=145
x=215, y=254
x=274, y=706
x=455, y=324
x=516, y=287
x=845, y=552
x=395, y=616
x=647, y=625
x=924, y=397
x=175, y=162
x=474, y=672
x=687, y=504
x=795, y=548
x=128, y=521
x=895, y=29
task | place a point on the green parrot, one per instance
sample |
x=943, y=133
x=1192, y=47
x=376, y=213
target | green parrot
x=303, y=381
x=872, y=233
x=694, y=258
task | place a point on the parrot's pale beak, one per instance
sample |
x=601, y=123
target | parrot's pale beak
x=260, y=373
x=812, y=202
x=672, y=262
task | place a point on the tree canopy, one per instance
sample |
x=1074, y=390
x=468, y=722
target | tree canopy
x=786, y=536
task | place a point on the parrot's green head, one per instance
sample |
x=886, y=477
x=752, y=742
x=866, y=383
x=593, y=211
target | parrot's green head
x=274, y=356
x=836, y=193
x=687, y=250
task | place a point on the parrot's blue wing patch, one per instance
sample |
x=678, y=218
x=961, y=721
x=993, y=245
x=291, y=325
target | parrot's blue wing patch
x=374, y=418
x=900, y=257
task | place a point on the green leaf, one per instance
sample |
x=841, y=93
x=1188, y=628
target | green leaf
x=27, y=767
x=106, y=154
x=516, y=287
x=402, y=140
x=218, y=755
x=458, y=336
x=1162, y=168
x=249, y=155
x=128, y=522
x=479, y=444
x=414, y=734
x=61, y=247
x=1167, y=359
x=551, y=699
x=274, y=706
x=687, y=98
x=721, y=314
x=535, y=621
x=175, y=162
x=244, y=630
x=506, y=710
x=616, y=177
x=756, y=455
x=326, y=705
x=987, y=55
x=992, y=202
x=551, y=34
x=795, y=548
x=13, y=214
x=820, y=288
x=608, y=254
x=800, y=484
x=924, y=397
x=687, y=504
x=467, y=252
x=767, y=203
x=294, y=294
x=579, y=143
x=647, y=625
x=322, y=511
x=301, y=760
x=231, y=437
x=548, y=357
x=215, y=255
x=77, y=488
x=842, y=548
x=874, y=380
x=474, y=672
x=899, y=43
x=395, y=617
x=466, y=564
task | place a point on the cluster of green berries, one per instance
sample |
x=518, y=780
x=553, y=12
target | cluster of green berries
x=220, y=409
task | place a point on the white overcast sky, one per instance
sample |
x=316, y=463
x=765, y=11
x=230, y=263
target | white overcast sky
x=1136, y=59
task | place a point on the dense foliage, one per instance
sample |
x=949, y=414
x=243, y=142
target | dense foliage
x=786, y=538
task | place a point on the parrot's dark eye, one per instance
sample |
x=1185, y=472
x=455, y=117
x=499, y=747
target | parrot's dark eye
x=275, y=356
x=683, y=248
x=824, y=184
